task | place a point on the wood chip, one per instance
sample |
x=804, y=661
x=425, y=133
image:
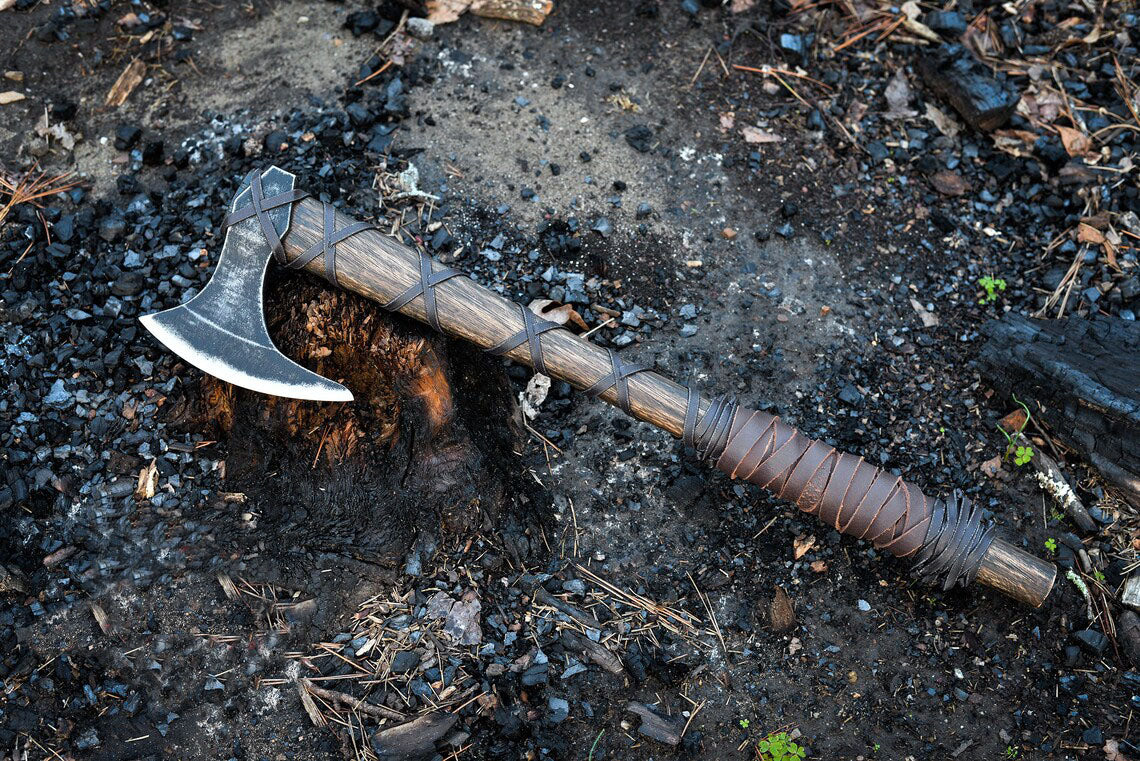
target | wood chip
x=415, y=739
x=131, y=77
x=528, y=11
x=6, y=4
x=11, y=96
x=802, y=544
x=664, y=729
x=148, y=481
x=102, y=619
x=15, y=76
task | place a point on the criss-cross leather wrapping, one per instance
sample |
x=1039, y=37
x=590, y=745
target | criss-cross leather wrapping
x=947, y=539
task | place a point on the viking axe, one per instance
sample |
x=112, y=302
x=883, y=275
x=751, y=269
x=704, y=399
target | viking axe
x=222, y=330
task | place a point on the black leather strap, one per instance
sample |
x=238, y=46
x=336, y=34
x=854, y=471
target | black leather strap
x=533, y=328
x=618, y=376
x=326, y=247
x=428, y=281
x=258, y=207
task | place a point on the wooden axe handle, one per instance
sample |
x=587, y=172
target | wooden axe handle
x=381, y=268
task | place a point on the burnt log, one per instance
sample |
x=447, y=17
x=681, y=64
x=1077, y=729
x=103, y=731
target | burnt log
x=956, y=77
x=1079, y=377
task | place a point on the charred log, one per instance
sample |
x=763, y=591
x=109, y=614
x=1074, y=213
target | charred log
x=1080, y=377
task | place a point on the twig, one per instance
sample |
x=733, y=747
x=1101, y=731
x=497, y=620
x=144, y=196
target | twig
x=354, y=704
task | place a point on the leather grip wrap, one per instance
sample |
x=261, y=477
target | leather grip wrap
x=948, y=539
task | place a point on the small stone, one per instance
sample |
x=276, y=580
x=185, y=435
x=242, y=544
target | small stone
x=688, y=330
x=213, y=684
x=864, y=606
x=405, y=661
x=728, y=233
x=603, y=227
x=152, y=152
x=640, y=138
x=1093, y=736
x=58, y=397
x=112, y=228
x=1092, y=641
x=559, y=709
x=126, y=135
x=87, y=739
x=420, y=28
x=276, y=141
x=850, y=395
x=785, y=230
x=688, y=311
x=877, y=152
x=690, y=7
x=643, y=210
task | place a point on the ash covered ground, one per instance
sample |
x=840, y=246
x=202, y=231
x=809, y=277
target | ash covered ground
x=187, y=573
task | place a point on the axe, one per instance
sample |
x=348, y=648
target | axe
x=222, y=331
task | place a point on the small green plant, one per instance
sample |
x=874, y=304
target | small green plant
x=1051, y=545
x=876, y=748
x=1011, y=752
x=1022, y=453
x=779, y=747
x=744, y=723
x=992, y=286
x=1098, y=575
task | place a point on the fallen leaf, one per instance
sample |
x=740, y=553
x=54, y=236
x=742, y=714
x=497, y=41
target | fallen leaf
x=949, y=183
x=738, y=6
x=929, y=319
x=548, y=309
x=782, y=612
x=727, y=121
x=1015, y=142
x=1112, y=751
x=945, y=124
x=1086, y=233
x=6, y=4
x=756, y=136
x=802, y=544
x=911, y=23
x=819, y=566
x=1076, y=142
x=795, y=646
x=11, y=96
x=535, y=394
x=126, y=83
x=898, y=97
x=992, y=466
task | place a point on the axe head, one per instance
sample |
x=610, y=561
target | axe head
x=222, y=329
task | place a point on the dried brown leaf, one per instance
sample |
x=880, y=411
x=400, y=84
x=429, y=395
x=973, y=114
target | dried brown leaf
x=819, y=566
x=782, y=612
x=757, y=136
x=11, y=96
x=1076, y=142
x=945, y=124
x=898, y=97
x=949, y=183
x=562, y=314
x=740, y=6
x=148, y=481
x=802, y=544
x=6, y=4
x=1086, y=233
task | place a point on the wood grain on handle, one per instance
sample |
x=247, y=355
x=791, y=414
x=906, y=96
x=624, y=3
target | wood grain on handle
x=381, y=268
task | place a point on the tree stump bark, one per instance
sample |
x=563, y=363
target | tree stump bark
x=1081, y=378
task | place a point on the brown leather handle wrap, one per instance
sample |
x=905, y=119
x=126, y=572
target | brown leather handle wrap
x=948, y=539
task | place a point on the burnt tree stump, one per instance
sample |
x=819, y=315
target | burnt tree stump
x=427, y=445
x=1081, y=378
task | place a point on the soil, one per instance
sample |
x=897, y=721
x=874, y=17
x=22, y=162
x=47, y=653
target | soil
x=307, y=527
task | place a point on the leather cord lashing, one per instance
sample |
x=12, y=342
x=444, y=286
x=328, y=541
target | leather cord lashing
x=531, y=334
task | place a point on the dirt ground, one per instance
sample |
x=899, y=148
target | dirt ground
x=217, y=604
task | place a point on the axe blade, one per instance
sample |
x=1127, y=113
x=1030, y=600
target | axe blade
x=222, y=329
